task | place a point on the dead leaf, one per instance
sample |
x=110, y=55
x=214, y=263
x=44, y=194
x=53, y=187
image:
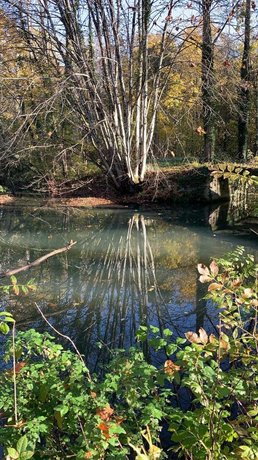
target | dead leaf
x=247, y=293
x=200, y=131
x=214, y=268
x=170, y=368
x=212, y=338
x=215, y=287
x=105, y=429
x=105, y=413
x=192, y=337
x=203, y=336
x=224, y=344
x=205, y=279
x=203, y=270
x=236, y=282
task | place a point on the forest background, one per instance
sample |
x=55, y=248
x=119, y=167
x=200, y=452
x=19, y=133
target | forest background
x=120, y=87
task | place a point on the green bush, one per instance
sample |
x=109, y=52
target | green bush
x=64, y=412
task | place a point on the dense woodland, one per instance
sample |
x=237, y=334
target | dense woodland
x=119, y=86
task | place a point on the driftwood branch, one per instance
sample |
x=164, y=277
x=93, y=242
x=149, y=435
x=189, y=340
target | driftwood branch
x=252, y=230
x=38, y=261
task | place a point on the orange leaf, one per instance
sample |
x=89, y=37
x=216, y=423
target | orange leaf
x=237, y=282
x=19, y=366
x=105, y=413
x=170, y=368
x=93, y=394
x=105, y=429
x=88, y=455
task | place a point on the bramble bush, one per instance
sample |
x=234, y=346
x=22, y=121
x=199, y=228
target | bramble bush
x=51, y=407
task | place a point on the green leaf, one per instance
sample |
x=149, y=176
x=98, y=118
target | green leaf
x=26, y=455
x=13, y=280
x=9, y=320
x=154, y=329
x=6, y=313
x=4, y=328
x=171, y=348
x=25, y=290
x=59, y=419
x=22, y=444
x=12, y=452
x=167, y=333
x=62, y=410
x=142, y=333
x=116, y=429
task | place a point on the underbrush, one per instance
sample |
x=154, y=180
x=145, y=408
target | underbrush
x=53, y=408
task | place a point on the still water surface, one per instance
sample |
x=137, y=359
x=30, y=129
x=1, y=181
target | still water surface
x=127, y=268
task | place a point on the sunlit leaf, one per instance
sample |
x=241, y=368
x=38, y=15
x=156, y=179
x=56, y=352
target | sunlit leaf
x=170, y=368
x=214, y=268
x=215, y=287
x=204, y=279
x=16, y=289
x=22, y=444
x=203, y=270
x=105, y=429
x=203, y=336
x=105, y=413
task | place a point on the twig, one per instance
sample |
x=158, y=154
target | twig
x=38, y=261
x=14, y=378
x=64, y=336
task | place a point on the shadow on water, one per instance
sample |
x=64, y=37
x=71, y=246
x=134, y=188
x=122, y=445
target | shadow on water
x=127, y=268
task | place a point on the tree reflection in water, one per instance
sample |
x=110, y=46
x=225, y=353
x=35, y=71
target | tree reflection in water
x=126, y=269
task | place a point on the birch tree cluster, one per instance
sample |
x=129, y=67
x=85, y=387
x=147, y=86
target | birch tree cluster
x=123, y=85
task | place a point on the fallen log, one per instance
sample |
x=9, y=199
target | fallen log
x=38, y=261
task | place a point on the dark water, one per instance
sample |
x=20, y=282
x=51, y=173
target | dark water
x=127, y=268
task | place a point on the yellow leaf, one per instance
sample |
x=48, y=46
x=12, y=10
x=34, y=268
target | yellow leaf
x=215, y=287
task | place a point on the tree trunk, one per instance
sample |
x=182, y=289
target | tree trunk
x=208, y=83
x=244, y=93
x=256, y=117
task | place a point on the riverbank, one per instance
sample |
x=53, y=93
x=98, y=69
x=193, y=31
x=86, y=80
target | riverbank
x=172, y=185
